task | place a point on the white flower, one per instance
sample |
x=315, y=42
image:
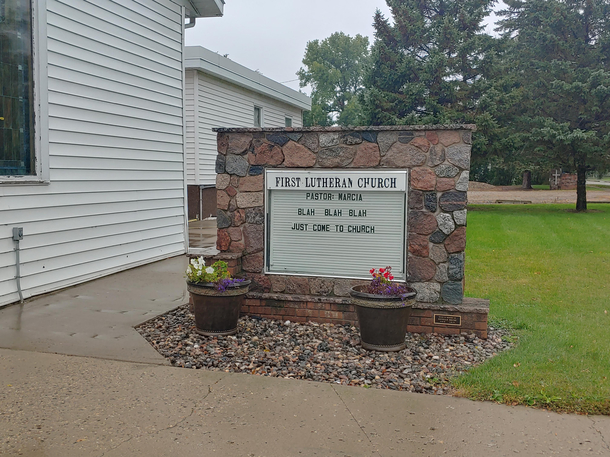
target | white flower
x=194, y=262
x=209, y=270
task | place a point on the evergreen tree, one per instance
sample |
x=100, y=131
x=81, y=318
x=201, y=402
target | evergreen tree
x=428, y=65
x=560, y=62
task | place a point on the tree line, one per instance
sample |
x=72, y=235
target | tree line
x=538, y=91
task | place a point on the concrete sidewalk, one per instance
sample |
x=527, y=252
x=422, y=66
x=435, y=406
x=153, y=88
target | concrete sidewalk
x=53, y=405
x=62, y=405
x=96, y=319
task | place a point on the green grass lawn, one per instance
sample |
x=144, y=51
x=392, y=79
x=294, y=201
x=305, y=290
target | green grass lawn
x=546, y=270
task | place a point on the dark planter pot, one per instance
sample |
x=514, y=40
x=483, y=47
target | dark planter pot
x=383, y=319
x=216, y=313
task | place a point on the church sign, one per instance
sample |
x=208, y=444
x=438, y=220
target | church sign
x=306, y=213
x=335, y=223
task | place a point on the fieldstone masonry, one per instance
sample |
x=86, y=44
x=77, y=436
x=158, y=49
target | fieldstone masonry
x=438, y=160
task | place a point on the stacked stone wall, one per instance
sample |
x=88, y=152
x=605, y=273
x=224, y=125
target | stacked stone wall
x=437, y=159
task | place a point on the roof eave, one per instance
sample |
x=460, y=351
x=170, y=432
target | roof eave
x=204, y=8
x=206, y=61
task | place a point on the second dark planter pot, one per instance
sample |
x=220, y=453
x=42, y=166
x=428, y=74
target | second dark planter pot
x=383, y=319
x=216, y=313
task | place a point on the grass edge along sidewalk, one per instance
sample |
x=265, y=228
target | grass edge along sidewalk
x=546, y=270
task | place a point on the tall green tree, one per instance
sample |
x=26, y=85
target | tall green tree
x=334, y=68
x=560, y=65
x=427, y=66
x=433, y=63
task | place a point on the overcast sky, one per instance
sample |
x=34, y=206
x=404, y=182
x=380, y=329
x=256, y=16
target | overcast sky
x=270, y=35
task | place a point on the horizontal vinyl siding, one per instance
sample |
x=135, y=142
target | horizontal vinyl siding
x=189, y=119
x=116, y=192
x=222, y=104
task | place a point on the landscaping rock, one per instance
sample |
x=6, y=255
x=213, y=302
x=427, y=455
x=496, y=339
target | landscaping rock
x=322, y=352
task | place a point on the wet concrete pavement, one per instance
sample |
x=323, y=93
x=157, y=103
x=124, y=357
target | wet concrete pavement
x=108, y=393
x=96, y=319
x=55, y=405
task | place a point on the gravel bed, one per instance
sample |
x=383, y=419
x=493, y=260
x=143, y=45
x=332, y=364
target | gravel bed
x=320, y=352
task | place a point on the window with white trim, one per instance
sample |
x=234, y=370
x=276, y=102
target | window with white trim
x=287, y=121
x=23, y=124
x=17, y=153
x=258, y=116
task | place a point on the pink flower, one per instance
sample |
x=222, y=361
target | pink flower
x=372, y=271
x=391, y=277
x=381, y=270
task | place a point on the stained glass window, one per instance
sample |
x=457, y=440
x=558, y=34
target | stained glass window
x=16, y=89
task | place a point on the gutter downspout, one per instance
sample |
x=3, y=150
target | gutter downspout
x=18, y=235
x=191, y=23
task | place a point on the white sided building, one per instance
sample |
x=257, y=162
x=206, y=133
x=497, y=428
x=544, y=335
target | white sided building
x=92, y=176
x=222, y=93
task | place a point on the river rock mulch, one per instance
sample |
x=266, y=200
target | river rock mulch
x=321, y=352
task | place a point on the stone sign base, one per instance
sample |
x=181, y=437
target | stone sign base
x=468, y=317
x=258, y=168
x=471, y=314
